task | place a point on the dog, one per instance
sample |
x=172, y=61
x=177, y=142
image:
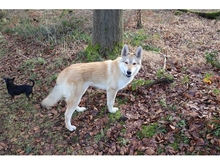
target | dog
x=110, y=75
x=18, y=89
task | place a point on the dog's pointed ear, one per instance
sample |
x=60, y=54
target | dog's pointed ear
x=124, y=51
x=13, y=79
x=139, y=52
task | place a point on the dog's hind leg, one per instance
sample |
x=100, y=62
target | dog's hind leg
x=72, y=105
x=12, y=98
x=28, y=95
x=80, y=109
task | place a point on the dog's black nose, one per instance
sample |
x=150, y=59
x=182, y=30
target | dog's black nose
x=129, y=72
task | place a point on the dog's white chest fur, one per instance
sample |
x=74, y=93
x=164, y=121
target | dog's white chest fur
x=123, y=82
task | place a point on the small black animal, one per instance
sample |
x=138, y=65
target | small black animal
x=18, y=89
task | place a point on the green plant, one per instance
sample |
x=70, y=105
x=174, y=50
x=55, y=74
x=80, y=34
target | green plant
x=95, y=53
x=136, y=39
x=140, y=39
x=114, y=117
x=140, y=82
x=181, y=123
x=161, y=128
x=163, y=103
x=175, y=145
x=215, y=127
x=185, y=79
x=213, y=59
x=208, y=75
x=147, y=131
x=178, y=12
x=161, y=73
x=2, y=45
x=217, y=132
x=53, y=77
x=31, y=63
x=99, y=136
x=160, y=150
x=28, y=150
x=122, y=100
x=91, y=53
x=50, y=29
x=172, y=107
x=122, y=141
x=150, y=47
x=216, y=91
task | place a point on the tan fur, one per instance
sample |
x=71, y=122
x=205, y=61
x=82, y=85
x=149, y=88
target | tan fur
x=109, y=75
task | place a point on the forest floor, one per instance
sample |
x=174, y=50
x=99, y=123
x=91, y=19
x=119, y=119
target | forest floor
x=178, y=118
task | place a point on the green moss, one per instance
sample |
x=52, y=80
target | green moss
x=175, y=145
x=209, y=15
x=121, y=101
x=113, y=117
x=178, y=12
x=147, y=131
x=97, y=53
x=140, y=153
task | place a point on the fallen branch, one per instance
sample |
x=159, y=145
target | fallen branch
x=164, y=80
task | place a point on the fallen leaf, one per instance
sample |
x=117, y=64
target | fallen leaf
x=37, y=129
x=2, y=146
x=90, y=150
x=200, y=142
x=207, y=81
x=150, y=151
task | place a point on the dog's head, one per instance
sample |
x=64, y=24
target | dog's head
x=131, y=63
x=9, y=80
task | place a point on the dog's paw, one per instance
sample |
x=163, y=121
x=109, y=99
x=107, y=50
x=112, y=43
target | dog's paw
x=113, y=110
x=80, y=109
x=71, y=128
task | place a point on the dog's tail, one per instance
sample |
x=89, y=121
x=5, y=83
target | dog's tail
x=55, y=95
x=33, y=83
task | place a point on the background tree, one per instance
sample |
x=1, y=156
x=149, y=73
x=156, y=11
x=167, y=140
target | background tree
x=139, y=23
x=107, y=32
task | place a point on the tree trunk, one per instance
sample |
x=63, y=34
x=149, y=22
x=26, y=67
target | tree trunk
x=107, y=30
x=139, y=24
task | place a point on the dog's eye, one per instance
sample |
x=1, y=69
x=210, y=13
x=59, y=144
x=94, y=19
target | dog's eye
x=126, y=62
x=134, y=63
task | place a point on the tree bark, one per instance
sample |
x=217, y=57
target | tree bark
x=107, y=30
x=139, y=23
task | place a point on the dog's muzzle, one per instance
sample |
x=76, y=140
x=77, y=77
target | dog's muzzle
x=128, y=73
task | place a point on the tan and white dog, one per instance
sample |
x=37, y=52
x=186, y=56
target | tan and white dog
x=109, y=75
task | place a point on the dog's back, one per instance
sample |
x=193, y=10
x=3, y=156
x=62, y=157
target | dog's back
x=19, y=89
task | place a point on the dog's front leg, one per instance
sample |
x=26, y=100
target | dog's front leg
x=111, y=94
